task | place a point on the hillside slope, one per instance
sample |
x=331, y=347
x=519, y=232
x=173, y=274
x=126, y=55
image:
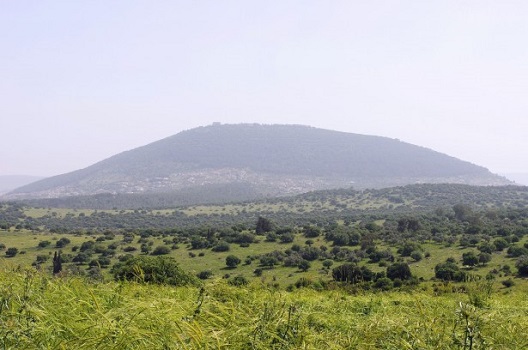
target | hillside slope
x=265, y=160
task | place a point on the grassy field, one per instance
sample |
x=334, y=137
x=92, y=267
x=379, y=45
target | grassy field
x=274, y=311
x=38, y=311
x=198, y=260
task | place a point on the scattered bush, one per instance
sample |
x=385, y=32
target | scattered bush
x=203, y=275
x=157, y=270
x=44, y=244
x=399, y=270
x=161, y=250
x=238, y=281
x=11, y=252
x=522, y=265
x=221, y=247
x=232, y=261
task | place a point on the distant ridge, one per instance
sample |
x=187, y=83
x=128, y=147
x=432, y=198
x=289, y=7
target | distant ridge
x=264, y=160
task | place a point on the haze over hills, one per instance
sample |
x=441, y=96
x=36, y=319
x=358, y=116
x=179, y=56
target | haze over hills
x=246, y=161
x=11, y=182
x=518, y=178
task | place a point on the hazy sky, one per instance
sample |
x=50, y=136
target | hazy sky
x=83, y=80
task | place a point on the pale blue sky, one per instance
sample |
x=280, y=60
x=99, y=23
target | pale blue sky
x=83, y=80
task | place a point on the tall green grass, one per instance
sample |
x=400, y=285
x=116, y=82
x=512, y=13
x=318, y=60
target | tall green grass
x=38, y=311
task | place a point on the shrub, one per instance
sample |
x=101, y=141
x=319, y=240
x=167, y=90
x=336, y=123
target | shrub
x=352, y=273
x=157, y=270
x=303, y=282
x=62, y=242
x=203, y=275
x=87, y=246
x=81, y=258
x=383, y=283
x=263, y=225
x=328, y=263
x=522, y=265
x=508, y=283
x=286, y=238
x=232, y=261
x=238, y=281
x=399, y=270
x=161, y=250
x=311, y=231
x=501, y=244
x=44, y=244
x=409, y=247
x=11, y=252
x=304, y=265
x=516, y=252
x=449, y=271
x=484, y=258
x=416, y=255
x=42, y=258
x=470, y=259
x=221, y=247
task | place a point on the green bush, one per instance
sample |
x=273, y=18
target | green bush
x=221, y=247
x=203, y=275
x=449, y=271
x=11, y=252
x=399, y=270
x=239, y=281
x=161, y=250
x=522, y=265
x=232, y=261
x=157, y=270
x=44, y=244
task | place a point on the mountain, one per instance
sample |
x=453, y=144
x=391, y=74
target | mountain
x=10, y=182
x=261, y=160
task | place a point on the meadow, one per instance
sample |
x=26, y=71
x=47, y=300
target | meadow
x=285, y=288
x=38, y=311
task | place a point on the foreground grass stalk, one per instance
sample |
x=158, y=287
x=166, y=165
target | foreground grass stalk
x=38, y=311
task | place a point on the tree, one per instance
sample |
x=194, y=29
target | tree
x=263, y=225
x=62, y=242
x=327, y=264
x=484, y=258
x=416, y=255
x=57, y=263
x=286, y=238
x=522, y=265
x=311, y=231
x=462, y=212
x=304, y=265
x=501, y=244
x=470, y=259
x=399, y=270
x=232, y=261
x=449, y=271
x=352, y=273
x=409, y=247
